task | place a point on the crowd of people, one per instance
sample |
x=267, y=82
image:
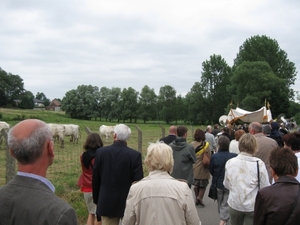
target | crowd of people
x=254, y=169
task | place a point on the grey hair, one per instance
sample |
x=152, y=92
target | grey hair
x=122, y=131
x=208, y=128
x=266, y=129
x=29, y=149
x=256, y=126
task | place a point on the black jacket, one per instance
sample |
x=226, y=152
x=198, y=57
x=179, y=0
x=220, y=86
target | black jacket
x=116, y=167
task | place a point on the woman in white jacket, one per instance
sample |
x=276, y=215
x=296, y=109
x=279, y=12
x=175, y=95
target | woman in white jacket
x=160, y=198
x=244, y=176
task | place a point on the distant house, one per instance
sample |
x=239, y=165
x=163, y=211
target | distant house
x=38, y=103
x=54, y=105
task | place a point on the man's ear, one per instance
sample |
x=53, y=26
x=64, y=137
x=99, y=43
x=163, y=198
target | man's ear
x=50, y=148
x=12, y=153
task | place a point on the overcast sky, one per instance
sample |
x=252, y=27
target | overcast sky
x=57, y=45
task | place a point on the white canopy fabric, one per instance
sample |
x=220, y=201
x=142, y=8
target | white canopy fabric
x=261, y=115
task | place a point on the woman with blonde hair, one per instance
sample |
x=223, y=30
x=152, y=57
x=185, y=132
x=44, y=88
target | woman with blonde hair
x=244, y=176
x=160, y=198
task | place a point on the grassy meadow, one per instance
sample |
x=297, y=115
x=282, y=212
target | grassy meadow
x=66, y=167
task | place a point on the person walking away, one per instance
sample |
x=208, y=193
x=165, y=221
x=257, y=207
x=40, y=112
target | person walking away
x=116, y=167
x=160, y=198
x=265, y=145
x=280, y=203
x=87, y=159
x=29, y=197
x=292, y=141
x=171, y=136
x=217, y=170
x=201, y=172
x=234, y=144
x=210, y=138
x=244, y=176
x=184, y=157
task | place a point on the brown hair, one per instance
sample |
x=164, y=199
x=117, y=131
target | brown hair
x=223, y=143
x=93, y=141
x=284, y=162
x=238, y=134
x=199, y=135
x=181, y=130
x=292, y=140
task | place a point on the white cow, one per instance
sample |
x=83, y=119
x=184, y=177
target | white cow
x=3, y=126
x=73, y=131
x=106, y=131
x=58, y=130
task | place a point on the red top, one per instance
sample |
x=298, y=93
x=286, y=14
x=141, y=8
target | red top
x=86, y=184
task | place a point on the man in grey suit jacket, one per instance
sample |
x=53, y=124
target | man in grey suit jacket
x=29, y=197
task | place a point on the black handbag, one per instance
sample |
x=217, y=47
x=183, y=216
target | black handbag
x=213, y=193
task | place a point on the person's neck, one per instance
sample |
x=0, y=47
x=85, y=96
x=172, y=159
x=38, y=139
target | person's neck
x=33, y=168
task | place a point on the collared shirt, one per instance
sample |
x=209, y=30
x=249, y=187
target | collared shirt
x=241, y=180
x=298, y=157
x=40, y=178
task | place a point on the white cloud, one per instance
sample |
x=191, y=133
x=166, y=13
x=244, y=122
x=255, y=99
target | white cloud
x=57, y=45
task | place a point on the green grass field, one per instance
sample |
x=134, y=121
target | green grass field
x=66, y=167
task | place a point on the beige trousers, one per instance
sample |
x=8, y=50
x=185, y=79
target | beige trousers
x=110, y=220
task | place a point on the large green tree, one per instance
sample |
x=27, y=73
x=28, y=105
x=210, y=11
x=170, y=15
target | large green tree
x=167, y=103
x=11, y=88
x=82, y=103
x=105, y=103
x=147, y=104
x=114, y=99
x=215, y=77
x=195, y=103
x=26, y=100
x=129, y=104
x=265, y=49
x=253, y=83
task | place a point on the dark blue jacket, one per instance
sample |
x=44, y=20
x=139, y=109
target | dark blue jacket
x=217, y=166
x=116, y=167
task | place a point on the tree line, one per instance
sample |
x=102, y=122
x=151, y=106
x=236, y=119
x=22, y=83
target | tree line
x=261, y=71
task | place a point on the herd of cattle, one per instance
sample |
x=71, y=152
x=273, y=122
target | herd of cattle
x=60, y=131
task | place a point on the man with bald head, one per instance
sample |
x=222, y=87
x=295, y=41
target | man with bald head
x=171, y=136
x=29, y=197
x=265, y=145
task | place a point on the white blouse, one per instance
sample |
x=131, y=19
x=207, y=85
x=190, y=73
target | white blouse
x=242, y=181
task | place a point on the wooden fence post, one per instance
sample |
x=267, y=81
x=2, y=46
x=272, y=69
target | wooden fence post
x=140, y=139
x=163, y=134
x=10, y=161
x=87, y=130
x=192, y=132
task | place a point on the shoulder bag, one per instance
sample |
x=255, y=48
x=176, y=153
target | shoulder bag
x=205, y=159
